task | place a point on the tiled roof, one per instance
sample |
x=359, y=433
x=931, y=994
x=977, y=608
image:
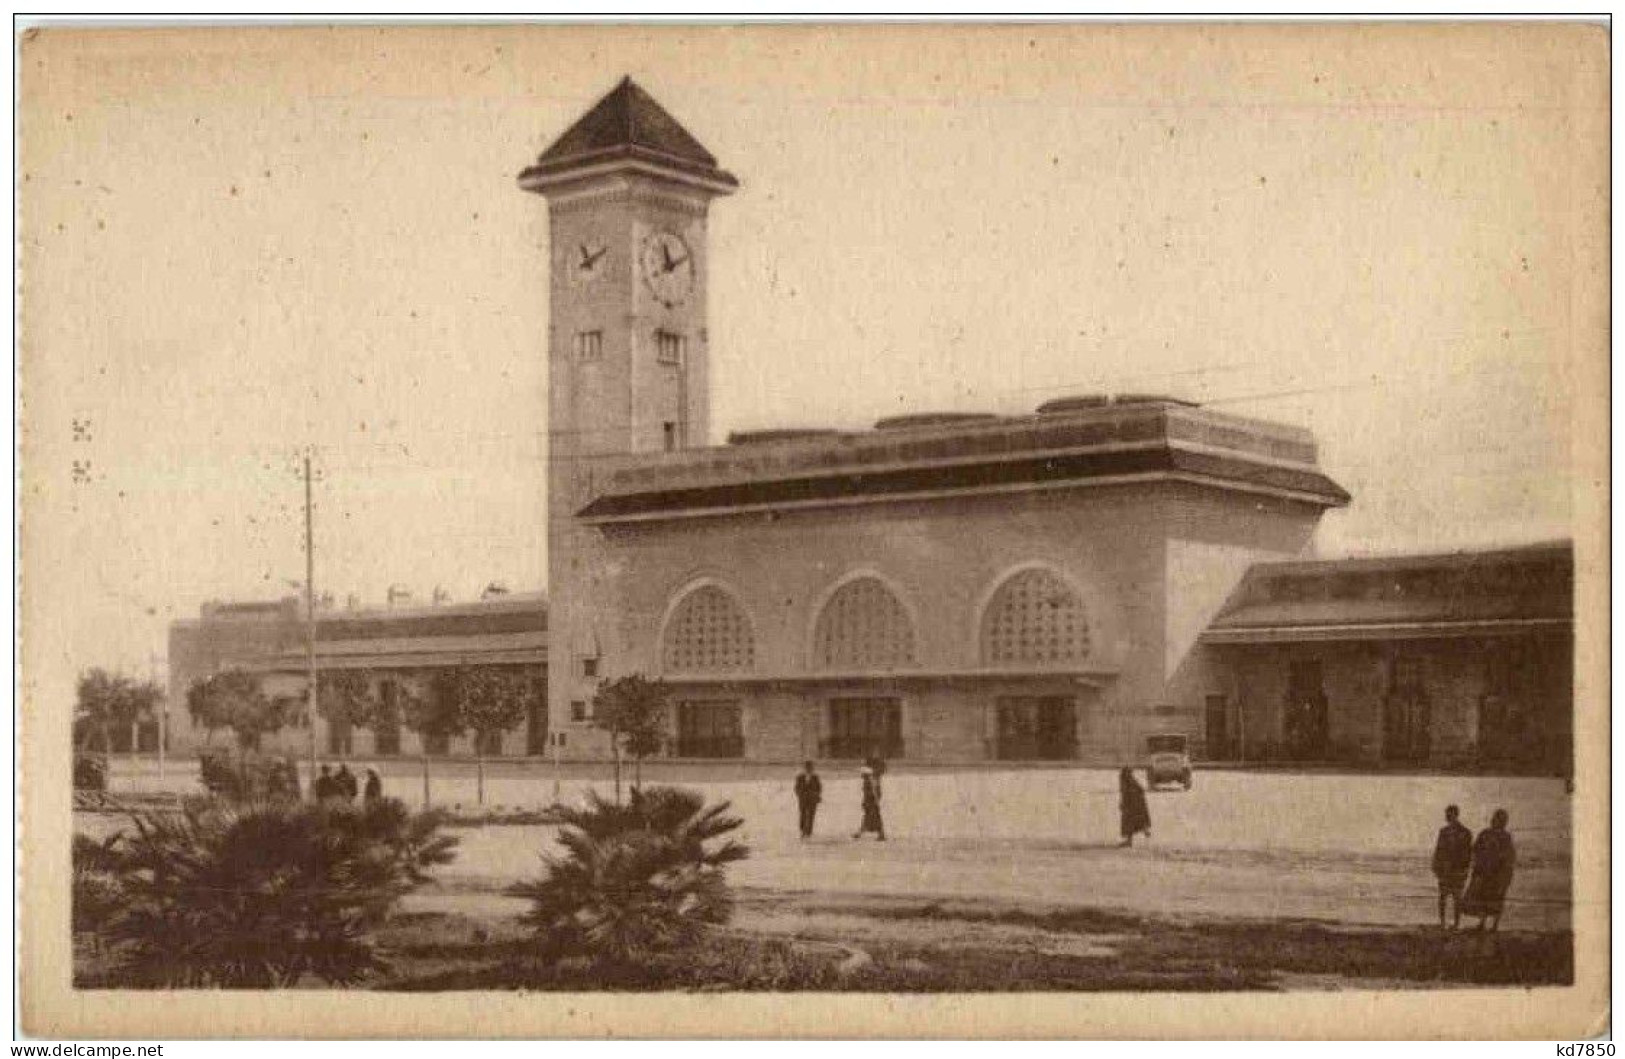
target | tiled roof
x=627, y=123
x=1460, y=592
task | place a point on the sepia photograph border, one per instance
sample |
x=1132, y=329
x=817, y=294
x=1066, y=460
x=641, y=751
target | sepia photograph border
x=50, y=1007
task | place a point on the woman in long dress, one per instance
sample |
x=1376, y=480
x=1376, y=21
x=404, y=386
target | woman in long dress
x=1136, y=815
x=1494, y=858
x=871, y=806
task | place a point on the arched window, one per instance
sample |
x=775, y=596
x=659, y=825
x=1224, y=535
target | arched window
x=863, y=627
x=708, y=631
x=1034, y=618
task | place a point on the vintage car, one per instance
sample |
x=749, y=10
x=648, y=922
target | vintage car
x=1167, y=760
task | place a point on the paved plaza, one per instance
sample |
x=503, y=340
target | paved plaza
x=1343, y=847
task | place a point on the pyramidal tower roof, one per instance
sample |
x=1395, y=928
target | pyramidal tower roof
x=626, y=127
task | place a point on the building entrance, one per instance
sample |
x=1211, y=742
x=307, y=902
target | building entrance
x=709, y=729
x=860, y=728
x=1037, y=728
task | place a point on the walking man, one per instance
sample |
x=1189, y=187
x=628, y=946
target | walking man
x=871, y=806
x=1452, y=856
x=809, y=792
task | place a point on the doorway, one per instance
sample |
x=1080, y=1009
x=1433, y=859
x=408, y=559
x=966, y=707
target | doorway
x=1407, y=720
x=865, y=727
x=1037, y=728
x=709, y=729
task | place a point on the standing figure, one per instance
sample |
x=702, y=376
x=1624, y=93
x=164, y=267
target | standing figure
x=809, y=792
x=344, y=783
x=1493, y=860
x=871, y=806
x=1135, y=814
x=375, y=787
x=323, y=788
x=1452, y=856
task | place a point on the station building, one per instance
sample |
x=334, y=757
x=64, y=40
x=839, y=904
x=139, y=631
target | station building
x=941, y=588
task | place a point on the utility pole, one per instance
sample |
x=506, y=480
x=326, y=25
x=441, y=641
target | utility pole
x=310, y=624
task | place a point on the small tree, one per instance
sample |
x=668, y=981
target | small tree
x=260, y=895
x=345, y=697
x=489, y=701
x=633, y=711
x=633, y=882
x=432, y=713
x=233, y=699
x=109, y=700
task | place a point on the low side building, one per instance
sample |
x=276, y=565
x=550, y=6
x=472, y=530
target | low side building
x=1458, y=660
x=399, y=649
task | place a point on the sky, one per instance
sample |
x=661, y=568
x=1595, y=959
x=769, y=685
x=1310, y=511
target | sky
x=239, y=244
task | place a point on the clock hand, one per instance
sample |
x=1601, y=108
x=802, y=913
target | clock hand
x=665, y=253
x=671, y=266
x=589, y=262
x=585, y=261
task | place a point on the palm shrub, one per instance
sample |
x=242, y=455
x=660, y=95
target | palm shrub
x=633, y=880
x=261, y=894
x=97, y=894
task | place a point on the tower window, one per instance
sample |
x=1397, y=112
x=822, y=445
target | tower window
x=670, y=347
x=578, y=711
x=589, y=345
x=670, y=430
x=589, y=667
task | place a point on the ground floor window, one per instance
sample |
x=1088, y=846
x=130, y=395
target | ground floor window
x=1407, y=721
x=1037, y=728
x=386, y=738
x=536, y=724
x=340, y=740
x=1306, y=724
x=1219, y=737
x=488, y=744
x=709, y=729
x=866, y=727
x=1521, y=712
x=437, y=743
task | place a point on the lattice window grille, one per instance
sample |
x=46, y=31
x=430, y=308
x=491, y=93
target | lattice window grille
x=708, y=632
x=1035, y=618
x=864, y=627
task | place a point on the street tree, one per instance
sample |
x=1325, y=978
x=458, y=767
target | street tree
x=431, y=711
x=489, y=702
x=633, y=710
x=233, y=699
x=345, y=698
x=109, y=701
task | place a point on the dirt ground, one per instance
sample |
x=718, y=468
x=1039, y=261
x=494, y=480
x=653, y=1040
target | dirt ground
x=1337, y=848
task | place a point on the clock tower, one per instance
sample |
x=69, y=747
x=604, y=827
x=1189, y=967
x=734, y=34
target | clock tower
x=628, y=190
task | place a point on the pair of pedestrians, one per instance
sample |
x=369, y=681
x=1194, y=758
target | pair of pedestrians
x=1473, y=874
x=810, y=792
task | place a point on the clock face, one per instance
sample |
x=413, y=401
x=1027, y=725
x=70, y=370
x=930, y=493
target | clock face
x=585, y=261
x=667, y=267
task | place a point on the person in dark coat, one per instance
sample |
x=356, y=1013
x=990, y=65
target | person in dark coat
x=871, y=806
x=323, y=788
x=344, y=783
x=809, y=792
x=1452, y=857
x=1493, y=860
x=375, y=787
x=1135, y=814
